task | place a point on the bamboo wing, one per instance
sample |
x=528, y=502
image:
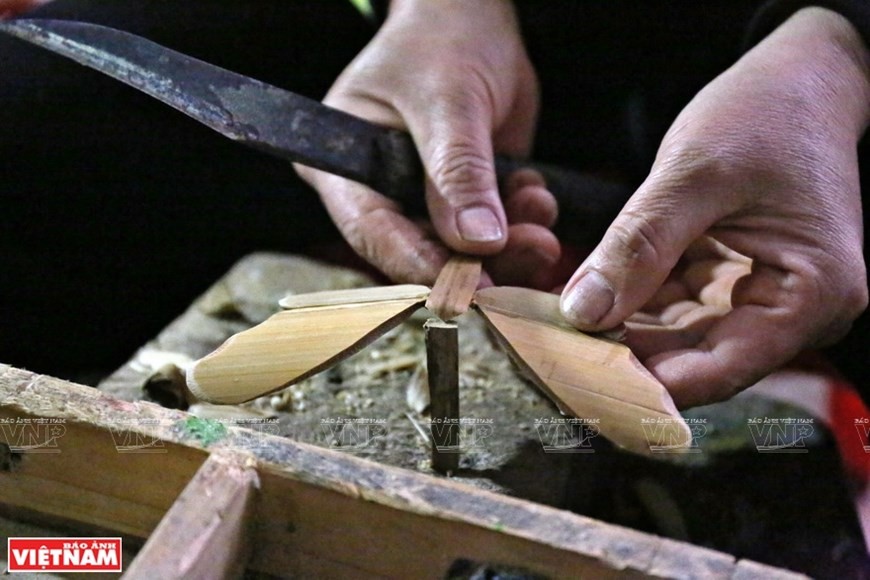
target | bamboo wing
x=587, y=377
x=297, y=343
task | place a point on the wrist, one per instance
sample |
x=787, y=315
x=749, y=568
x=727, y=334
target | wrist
x=822, y=59
x=438, y=9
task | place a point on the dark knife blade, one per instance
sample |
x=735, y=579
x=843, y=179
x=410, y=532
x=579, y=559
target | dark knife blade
x=292, y=126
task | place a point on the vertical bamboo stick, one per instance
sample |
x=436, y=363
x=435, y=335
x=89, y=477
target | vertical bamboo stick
x=442, y=361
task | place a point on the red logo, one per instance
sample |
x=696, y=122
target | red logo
x=64, y=554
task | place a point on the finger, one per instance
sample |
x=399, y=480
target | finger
x=705, y=248
x=770, y=324
x=527, y=199
x=525, y=177
x=737, y=351
x=671, y=291
x=377, y=230
x=647, y=338
x=637, y=253
x=673, y=313
x=828, y=319
x=531, y=252
x=711, y=281
x=453, y=135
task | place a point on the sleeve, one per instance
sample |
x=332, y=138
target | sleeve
x=774, y=13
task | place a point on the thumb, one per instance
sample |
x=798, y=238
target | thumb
x=636, y=254
x=454, y=137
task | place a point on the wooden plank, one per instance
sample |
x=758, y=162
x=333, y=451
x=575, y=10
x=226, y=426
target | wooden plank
x=206, y=532
x=320, y=513
x=592, y=378
x=294, y=344
x=84, y=474
x=442, y=367
x=455, y=286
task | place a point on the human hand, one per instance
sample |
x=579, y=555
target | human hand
x=457, y=77
x=764, y=161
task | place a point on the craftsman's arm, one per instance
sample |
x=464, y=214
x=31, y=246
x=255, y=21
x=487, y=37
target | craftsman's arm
x=764, y=160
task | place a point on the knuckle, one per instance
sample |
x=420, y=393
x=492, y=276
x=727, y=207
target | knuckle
x=702, y=164
x=460, y=172
x=637, y=243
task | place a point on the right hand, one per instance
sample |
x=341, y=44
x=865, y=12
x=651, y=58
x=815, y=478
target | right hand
x=764, y=161
x=457, y=77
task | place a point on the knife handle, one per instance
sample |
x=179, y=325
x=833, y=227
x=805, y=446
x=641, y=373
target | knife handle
x=587, y=204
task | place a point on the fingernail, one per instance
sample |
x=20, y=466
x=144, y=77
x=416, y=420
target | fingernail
x=589, y=300
x=479, y=224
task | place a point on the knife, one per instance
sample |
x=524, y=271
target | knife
x=297, y=128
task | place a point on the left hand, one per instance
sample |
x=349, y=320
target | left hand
x=764, y=161
x=456, y=76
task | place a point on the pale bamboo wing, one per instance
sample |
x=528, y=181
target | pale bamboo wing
x=588, y=377
x=315, y=333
